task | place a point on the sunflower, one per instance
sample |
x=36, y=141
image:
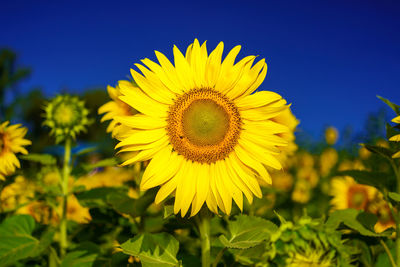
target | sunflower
x=11, y=142
x=349, y=194
x=114, y=108
x=208, y=136
x=396, y=138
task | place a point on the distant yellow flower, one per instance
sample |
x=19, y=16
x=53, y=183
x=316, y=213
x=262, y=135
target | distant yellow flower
x=364, y=153
x=110, y=176
x=328, y=159
x=382, y=143
x=208, y=136
x=347, y=193
x=40, y=211
x=308, y=174
x=75, y=211
x=282, y=181
x=301, y=192
x=20, y=192
x=305, y=160
x=331, y=135
x=396, y=138
x=11, y=142
x=115, y=108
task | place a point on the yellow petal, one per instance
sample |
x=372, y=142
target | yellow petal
x=143, y=155
x=202, y=188
x=244, y=174
x=135, y=97
x=257, y=99
x=395, y=138
x=183, y=70
x=141, y=121
x=143, y=137
x=213, y=66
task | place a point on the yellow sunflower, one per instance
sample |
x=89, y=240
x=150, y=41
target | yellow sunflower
x=396, y=138
x=11, y=142
x=208, y=135
x=114, y=108
x=349, y=194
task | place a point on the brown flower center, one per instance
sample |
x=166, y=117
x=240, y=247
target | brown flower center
x=203, y=125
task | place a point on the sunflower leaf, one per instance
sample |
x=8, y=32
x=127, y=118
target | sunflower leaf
x=45, y=159
x=153, y=249
x=79, y=259
x=247, y=231
x=394, y=196
x=17, y=242
x=379, y=150
x=393, y=106
x=351, y=218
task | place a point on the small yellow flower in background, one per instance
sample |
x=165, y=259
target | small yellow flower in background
x=75, y=211
x=20, y=192
x=115, y=108
x=209, y=138
x=381, y=209
x=328, y=159
x=308, y=174
x=109, y=177
x=66, y=116
x=302, y=191
x=11, y=142
x=282, y=181
x=40, y=211
x=382, y=143
x=305, y=160
x=331, y=135
x=396, y=138
x=364, y=153
x=347, y=193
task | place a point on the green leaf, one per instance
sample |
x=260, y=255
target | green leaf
x=79, y=259
x=85, y=151
x=16, y=240
x=247, y=231
x=379, y=150
x=376, y=179
x=45, y=159
x=98, y=197
x=394, y=196
x=153, y=249
x=168, y=211
x=133, y=207
x=368, y=220
x=100, y=164
x=349, y=217
x=393, y=106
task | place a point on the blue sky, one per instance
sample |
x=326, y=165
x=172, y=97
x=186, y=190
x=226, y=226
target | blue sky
x=328, y=58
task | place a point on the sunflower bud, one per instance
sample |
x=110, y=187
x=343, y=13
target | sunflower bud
x=66, y=116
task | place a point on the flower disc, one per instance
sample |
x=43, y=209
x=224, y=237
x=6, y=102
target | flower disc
x=203, y=125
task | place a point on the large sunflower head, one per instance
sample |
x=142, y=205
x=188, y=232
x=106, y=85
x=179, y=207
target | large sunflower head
x=208, y=135
x=115, y=108
x=11, y=142
x=66, y=116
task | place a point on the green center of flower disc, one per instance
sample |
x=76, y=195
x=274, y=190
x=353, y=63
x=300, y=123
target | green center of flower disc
x=64, y=114
x=203, y=125
x=205, y=122
x=358, y=199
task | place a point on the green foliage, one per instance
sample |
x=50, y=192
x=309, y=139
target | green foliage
x=17, y=241
x=247, y=231
x=153, y=249
x=393, y=106
x=45, y=159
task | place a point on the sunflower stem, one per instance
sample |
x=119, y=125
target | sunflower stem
x=203, y=224
x=397, y=218
x=64, y=185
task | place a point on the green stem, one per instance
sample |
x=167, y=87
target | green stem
x=64, y=185
x=219, y=256
x=397, y=218
x=387, y=250
x=203, y=224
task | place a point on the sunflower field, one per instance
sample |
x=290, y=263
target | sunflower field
x=190, y=163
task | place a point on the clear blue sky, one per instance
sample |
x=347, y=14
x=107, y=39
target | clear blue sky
x=328, y=58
